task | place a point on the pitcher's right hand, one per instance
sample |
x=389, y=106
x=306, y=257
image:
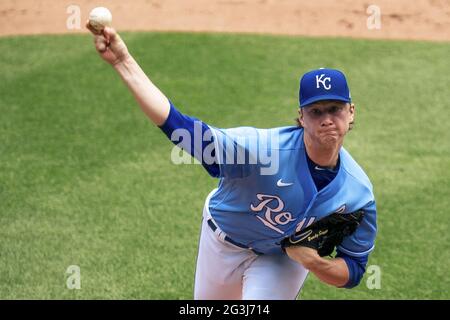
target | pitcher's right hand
x=109, y=45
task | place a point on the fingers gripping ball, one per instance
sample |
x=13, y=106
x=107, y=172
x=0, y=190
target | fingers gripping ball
x=99, y=18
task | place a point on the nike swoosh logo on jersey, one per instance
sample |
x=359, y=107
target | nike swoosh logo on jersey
x=283, y=184
x=319, y=168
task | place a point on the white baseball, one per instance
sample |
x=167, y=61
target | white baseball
x=100, y=17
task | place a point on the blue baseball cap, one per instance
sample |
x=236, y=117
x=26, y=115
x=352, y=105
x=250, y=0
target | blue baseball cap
x=323, y=84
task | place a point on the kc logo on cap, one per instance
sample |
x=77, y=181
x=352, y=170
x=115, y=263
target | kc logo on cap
x=322, y=81
x=323, y=84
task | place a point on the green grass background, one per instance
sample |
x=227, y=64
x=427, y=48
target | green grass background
x=85, y=178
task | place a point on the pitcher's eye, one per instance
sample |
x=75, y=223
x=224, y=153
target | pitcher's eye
x=316, y=112
x=334, y=109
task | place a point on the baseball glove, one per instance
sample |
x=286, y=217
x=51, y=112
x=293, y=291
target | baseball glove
x=327, y=233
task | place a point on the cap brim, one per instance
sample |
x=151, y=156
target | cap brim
x=323, y=97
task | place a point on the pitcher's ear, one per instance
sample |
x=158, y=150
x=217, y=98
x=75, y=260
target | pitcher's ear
x=300, y=116
x=352, y=112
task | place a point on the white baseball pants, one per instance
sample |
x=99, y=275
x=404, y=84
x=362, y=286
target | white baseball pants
x=227, y=272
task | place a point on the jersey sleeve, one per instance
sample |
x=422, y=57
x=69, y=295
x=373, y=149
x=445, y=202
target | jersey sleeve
x=238, y=150
x=362, y=241
x=193, y=136
x=356, y=268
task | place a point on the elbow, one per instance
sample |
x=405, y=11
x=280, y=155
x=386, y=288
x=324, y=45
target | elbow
x=356, y=269
x=353, y=282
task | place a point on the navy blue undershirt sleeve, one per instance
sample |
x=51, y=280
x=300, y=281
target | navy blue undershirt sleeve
x=196, y=130
x=356, y=267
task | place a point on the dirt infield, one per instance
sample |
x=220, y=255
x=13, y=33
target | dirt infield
x=400, y=19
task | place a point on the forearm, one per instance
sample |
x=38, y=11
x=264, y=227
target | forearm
x=151, y=100
x=331, y=271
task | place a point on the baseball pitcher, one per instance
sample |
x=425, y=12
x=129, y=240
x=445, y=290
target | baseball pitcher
x=287, y=198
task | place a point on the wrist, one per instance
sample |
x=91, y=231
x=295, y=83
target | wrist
x=307, y=257
x=122, y=62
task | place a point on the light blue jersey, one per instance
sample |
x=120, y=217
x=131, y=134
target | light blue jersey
x=266, y=191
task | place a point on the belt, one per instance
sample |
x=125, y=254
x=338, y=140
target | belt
x=214, y=227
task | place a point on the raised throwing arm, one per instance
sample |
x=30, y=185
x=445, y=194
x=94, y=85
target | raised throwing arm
x=113, y=50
